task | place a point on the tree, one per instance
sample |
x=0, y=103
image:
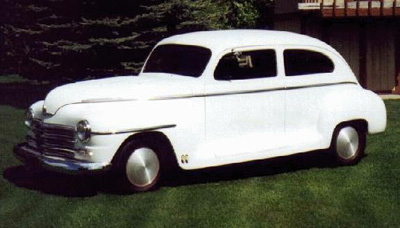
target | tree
x=72, y=39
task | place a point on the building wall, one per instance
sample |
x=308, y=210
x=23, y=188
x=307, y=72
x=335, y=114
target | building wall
x=285, y=6
x=380, y=40
x=288, y=22
x=369, y=46
x=345, y=38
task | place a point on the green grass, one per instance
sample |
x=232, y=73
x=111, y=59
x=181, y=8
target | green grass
x=282, y=193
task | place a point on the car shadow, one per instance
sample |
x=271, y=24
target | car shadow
x=87, y=186
x=262, y=168
x=50, y=182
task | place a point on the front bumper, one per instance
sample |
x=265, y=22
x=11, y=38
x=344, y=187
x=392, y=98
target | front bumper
x=28, y=155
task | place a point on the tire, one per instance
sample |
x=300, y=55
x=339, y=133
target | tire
x=141, y=165
x=348, y=144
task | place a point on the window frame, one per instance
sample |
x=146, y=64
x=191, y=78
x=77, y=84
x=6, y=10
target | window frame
x=323, y=52
x=249, y=49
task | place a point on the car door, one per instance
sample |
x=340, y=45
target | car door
x=309, y=76
x=245, y=104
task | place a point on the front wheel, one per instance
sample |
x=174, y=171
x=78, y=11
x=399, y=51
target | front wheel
x=141, y=166
x=349, y=144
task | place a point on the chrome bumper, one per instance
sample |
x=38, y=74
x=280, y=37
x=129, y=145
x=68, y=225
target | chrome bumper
x=27, y=155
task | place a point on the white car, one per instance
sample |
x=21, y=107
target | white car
x=206, y=99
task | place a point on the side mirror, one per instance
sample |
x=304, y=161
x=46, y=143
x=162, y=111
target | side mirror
x=244, y=61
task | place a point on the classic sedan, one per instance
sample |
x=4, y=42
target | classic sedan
x=206, y=99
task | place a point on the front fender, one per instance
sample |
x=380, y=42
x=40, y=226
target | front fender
x=181, y=120
x=116, y=117
x=37, y=108
x=113, y=122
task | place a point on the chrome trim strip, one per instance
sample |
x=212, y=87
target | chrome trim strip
x=102, y=100
x=53, y=126
x=213, y=94
x=253, y=91
x=320, y=85
x=135, y=130
x=64, y=150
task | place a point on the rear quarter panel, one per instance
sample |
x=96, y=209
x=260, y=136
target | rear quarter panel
x=348, y=104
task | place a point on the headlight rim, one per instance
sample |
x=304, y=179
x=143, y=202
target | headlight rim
x=83, y=131
x=29, y=117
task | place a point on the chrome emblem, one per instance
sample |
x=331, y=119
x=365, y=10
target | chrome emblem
x=185, y=159
x=44, y=109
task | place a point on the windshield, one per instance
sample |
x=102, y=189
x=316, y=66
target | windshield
x=185, y=60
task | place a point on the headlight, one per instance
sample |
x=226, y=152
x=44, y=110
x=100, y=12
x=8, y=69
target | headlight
x=83, y=130
x=29, y=116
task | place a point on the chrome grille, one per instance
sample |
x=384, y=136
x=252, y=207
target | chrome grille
x=52, y=140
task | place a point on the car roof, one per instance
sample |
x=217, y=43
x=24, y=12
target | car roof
x=225, y=39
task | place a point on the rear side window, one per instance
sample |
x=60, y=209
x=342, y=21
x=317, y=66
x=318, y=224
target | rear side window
x=246, y=65
x=302, y=62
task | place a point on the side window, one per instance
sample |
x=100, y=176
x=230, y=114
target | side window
x=246, y=65
x=301, y=62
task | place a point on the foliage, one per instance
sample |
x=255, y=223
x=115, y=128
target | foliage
x=12, y=78
x=295, y=192
x=73, y=39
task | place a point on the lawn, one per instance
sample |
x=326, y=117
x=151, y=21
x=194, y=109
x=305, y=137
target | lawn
x=298, y=191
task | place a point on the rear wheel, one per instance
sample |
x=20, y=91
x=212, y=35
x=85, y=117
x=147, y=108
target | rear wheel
x=349, y=144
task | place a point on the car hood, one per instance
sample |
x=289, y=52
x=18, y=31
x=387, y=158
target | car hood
x=145, y=87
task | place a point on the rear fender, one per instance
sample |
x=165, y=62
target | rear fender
x=353, y=104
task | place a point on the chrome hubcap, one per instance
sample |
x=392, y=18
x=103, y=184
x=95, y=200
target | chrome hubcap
x=347, y=142
x=142, y=167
